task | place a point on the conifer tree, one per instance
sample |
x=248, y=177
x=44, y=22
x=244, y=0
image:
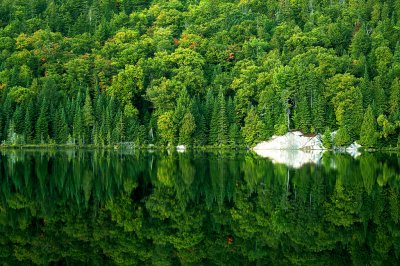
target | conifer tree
x=61, y=127
x=88, y=118
x=213, y=133
x=208, y=109
x=222, y=120
x=368, y=134
x=78, y=126
x=394, y=101
x=42, y=124
x=253, y=127
x=119, y=130
x=28, y=123
x=200, y=134
x=234, y=135
x=18, y=118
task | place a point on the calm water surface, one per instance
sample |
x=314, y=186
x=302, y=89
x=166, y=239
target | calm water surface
x=142, y=208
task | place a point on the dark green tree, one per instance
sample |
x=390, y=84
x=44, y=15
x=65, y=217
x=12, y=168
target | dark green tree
x=42, y=123
x=368, y=133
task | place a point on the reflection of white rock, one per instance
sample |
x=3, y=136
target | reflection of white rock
x=352, y=149
x=291, y=141
x=181, y=148
x=292, y=158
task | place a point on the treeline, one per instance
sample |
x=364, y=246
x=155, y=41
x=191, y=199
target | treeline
x=198, y=72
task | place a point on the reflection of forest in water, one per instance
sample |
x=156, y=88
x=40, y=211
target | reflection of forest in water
x=203, y=208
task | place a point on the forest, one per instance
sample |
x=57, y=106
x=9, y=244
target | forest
x=198, y=72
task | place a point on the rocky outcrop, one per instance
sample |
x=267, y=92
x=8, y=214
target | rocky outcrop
x=291, y=141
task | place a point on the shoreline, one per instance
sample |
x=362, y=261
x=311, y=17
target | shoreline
x=157, y=147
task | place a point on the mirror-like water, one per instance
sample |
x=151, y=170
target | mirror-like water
x=103, y=207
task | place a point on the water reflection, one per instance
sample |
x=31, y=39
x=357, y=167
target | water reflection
x=292, y=158
x=106, y=207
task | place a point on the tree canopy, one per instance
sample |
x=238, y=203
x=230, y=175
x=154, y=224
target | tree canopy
x=107, y=71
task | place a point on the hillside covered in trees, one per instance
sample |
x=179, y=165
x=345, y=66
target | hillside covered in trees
x=200, y=72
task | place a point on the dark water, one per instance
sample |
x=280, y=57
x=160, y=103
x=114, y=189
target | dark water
x=113, y=208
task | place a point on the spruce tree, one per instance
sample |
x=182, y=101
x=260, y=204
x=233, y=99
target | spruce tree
x=368, y=133
x=234, y=135
x=18, y=118
x=61, y=128
x=42, y=124
x=77, y=131
x=213, y=133
x=208, y=109
x=394, y=100
x=119, y=133
x=28, y=123
x=222, y=120
x=253, y=127
x=88, y=118
x=200, y=134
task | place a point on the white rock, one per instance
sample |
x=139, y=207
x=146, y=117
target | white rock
x=181, y=148
x=291, y=141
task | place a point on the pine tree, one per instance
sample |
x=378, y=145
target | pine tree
x=213, y=133
x=18, y=118
x=88, y=118
x=77, y=131
x=119, y=133
x=107, y=128
x=208, y=109
x=318, y=112
x=42, y=124
x=200, y=134
x=61, y=130
x=230, y=110
x=28, y=123
x=368, y=134
x=394, y=100
x=234, y=135
x=222, y=120
x=253, y=127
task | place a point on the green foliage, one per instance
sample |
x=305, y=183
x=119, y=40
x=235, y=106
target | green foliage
x=342, y=137
x=188, y=127
x=166, y=128
x=136, y=208
x=305, y=66
x=368, y=134
x=253, y=128
x=327, y=138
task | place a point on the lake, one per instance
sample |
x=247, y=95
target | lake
x=197, y=208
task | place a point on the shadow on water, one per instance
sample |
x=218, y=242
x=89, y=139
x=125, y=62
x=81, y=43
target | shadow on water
x=110, y=207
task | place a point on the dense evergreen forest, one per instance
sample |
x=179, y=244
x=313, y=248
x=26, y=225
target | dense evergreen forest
x=198, y=72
